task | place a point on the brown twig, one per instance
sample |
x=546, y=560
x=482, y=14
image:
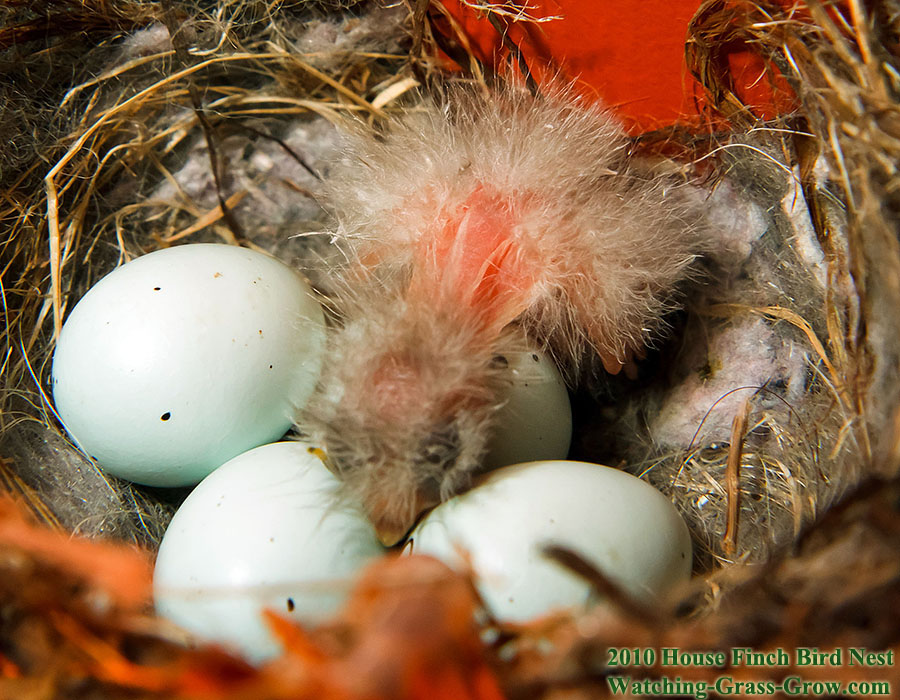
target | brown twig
x=733, y=476
x=577, y=564
x=176, y=35
x=501, y=25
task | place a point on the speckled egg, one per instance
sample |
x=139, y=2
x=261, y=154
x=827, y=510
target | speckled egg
x=183, y=358
x=264, y=531
x=622, y=525
x=535, y=421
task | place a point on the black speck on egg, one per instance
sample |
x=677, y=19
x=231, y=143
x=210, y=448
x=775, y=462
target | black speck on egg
x=499, y=361
x=165, y=416
x=290, y=604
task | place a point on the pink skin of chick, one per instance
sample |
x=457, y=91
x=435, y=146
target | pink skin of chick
x=467, y=229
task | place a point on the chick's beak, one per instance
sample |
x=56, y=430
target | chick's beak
x=391, y=530
x=390, y=533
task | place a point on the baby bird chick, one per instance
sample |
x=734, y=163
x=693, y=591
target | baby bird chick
x=467, y=227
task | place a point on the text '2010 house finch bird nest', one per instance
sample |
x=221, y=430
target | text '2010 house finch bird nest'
x=717, y=281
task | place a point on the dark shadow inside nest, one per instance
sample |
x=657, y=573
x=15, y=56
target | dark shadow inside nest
x=602, y=429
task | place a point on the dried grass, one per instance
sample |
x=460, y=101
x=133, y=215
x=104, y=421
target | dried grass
x=128, y=122
x=840, y=148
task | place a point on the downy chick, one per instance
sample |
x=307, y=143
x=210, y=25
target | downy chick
x=467, y=227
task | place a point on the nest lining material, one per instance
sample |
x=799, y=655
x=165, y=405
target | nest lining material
x=130, y=170
x=108, y=209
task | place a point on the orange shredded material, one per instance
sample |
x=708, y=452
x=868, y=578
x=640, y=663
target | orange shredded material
x=123, y=572
x=8, y=669
x=106, y=662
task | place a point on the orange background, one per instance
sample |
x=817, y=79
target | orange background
x=629, y=53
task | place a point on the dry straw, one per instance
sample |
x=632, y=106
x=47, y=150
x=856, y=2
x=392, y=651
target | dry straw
x=68, y=217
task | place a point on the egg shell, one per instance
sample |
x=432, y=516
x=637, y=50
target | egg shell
x=183, y=358
x=535, y=422
x=622, y=525
x=264, y=531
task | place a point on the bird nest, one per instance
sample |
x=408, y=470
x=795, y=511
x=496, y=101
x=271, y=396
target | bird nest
x=769, y=415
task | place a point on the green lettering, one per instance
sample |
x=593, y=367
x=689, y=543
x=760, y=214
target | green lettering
x=791, y=685
x=618, y=685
